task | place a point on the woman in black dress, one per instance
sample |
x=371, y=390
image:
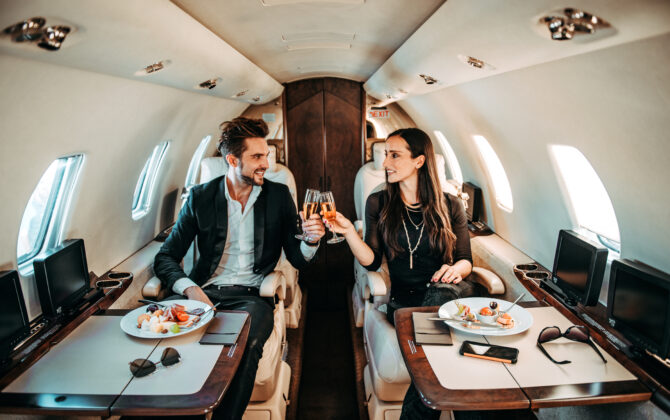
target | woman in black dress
x=422, y=232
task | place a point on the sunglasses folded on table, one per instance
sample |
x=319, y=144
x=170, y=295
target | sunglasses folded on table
x=575, y=333
x=143, y=367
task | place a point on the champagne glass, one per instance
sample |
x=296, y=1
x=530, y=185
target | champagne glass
x=309, y=207
x=329, y=212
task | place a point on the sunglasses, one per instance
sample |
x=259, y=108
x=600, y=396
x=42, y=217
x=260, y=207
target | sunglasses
x=574, y=333
x=143, y=367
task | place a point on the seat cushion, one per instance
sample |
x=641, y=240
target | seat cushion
x=268, y=366
x=384, y=354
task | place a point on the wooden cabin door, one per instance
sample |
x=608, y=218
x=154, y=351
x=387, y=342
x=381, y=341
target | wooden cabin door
x=324, y=131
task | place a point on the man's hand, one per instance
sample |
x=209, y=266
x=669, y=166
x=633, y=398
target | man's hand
x=446, y=274
x=196, y=293
x=312, y=227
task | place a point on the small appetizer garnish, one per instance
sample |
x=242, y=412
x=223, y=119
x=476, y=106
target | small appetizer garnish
x=486, y=311
x=141, y=318
x=493, y=305
x=470, y=317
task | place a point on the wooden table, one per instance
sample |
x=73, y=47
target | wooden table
x=434, y=395
x=81, y=376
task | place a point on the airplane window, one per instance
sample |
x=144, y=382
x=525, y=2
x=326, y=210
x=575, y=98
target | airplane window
x=496, y=173
x=587, y=194
x=452, y=161
x=192, y=174
x=42, y=223
x=145, y=184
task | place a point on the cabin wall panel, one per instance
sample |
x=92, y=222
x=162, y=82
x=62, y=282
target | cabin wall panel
x=610, y=104
x=50, y=111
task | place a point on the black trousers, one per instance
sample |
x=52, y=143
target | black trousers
x=261, y=311
x=262, y=321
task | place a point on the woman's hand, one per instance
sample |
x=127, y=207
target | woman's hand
x=340, y=224
x=312, y=228
x=447, y=274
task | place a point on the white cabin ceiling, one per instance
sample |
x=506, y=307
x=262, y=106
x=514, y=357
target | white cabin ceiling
x=506, y=36
x=295, y=39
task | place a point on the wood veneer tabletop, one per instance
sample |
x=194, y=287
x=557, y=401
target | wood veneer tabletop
x=438, y=397
x=435, y=396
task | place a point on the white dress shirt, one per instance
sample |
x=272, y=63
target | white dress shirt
x=237, y=262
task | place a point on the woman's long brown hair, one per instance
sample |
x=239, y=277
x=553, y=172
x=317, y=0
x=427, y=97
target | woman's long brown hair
x=432, y=200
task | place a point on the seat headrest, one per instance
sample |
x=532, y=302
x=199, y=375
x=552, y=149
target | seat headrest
x=378, y=154
x=212, y=167
x=272, y=158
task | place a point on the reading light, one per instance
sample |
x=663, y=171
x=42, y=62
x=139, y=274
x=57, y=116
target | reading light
x=256, y=98
x=573, y=21
x=428, y=79
x=53, y=37
x=209, y=84
x=241, y=93
x=28, y=30
x=153, y=68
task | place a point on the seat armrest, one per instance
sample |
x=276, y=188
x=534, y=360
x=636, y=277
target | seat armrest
x=152, y=288
x=358, y=225
x=488, y=279
x=377, y=283
x=273, y=284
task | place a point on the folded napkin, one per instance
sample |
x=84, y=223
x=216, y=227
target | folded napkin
x=224, y=328
x=430, y=332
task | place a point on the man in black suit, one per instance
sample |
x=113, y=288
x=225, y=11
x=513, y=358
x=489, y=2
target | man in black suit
x=241, y=222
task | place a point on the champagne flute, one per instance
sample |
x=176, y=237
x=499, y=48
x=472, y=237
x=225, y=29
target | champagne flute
x=329, y=212
x=309, y=207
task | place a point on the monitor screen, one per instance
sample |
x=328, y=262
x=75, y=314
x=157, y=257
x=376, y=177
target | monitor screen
x=12, y=312
x=62, y=276
x=639, y=305
x=474, y=201
x=573, y=264
x=579, y=266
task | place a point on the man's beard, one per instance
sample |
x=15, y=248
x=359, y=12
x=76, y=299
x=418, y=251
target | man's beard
x=249, y=180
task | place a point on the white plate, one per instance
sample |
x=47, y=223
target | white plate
x=522, y=318
x=129, y=321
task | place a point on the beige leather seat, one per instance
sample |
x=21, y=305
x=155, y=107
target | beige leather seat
x=281, y=174
x=370, y=178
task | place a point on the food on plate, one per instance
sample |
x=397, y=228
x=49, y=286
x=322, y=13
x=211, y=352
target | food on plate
x=172, y=319
x=505, y=320
x=493, y=305
x=486, y=311
x=463, y=310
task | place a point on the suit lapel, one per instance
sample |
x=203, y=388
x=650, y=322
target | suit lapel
x=259, y=225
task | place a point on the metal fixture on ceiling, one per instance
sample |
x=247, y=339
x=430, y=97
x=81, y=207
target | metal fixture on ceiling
x=389, y=96
x=50, y=38
x=28, y=30
x=256, y=98
x=53, y=37
x=241, y=93
x=475, y=62
x=209, y=84
x=153, y=68
x=570, y=22
x=428, y=79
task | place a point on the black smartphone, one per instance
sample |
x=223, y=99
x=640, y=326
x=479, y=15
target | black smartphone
x=108, y=284
x=489, y=352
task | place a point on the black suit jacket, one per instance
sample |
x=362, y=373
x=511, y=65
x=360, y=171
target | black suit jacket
x=205, y=217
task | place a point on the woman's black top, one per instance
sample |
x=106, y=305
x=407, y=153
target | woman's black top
x=425, y=262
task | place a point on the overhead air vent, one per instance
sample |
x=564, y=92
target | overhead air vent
x=429, y=80
x=209, y=84
x=284, y=2
x=241, y=93
x=389, y=96
x=32, y=30
x=475, y=62
x=153, y=68
x=295, y=46
x=256, y=98
x=564, y=24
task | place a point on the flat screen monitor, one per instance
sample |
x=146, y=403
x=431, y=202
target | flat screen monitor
x=14, y=326
x=579, y=266
x=474, y=201
x=638, y=305
x=62, y=277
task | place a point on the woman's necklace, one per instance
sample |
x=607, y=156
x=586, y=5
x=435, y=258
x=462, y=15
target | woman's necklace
x=416, y=226
x=409, y=245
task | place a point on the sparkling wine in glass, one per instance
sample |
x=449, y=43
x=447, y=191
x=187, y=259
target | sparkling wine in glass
x=309, y=207
x=329, y=212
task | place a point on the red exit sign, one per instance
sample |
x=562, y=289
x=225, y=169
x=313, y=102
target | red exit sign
x=378, y=113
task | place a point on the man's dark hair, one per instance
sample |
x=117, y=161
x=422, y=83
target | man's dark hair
x=234, y=132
